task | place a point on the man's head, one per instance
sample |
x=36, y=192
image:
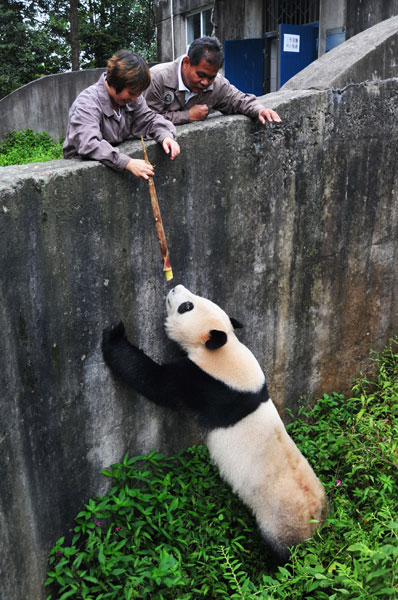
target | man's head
x=128, y=70
x=207, y=48
x=200, y=67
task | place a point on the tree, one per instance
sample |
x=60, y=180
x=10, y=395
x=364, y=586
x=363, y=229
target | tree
x=95, y=29
x=110, y=25
x=42, y=37
x=74, y=34
x=26, y=50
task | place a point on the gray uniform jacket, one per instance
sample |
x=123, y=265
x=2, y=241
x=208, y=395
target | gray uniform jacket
x=163, y=95
x=93, y=129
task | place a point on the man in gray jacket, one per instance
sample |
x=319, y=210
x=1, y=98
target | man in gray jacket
x=113, y=110
x=186, y=89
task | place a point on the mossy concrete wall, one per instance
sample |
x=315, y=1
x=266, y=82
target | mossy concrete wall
x=293, y=229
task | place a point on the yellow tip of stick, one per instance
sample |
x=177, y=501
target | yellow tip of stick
x=169, y=274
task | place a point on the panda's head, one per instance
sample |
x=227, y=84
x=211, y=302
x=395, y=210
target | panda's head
x=193, y=321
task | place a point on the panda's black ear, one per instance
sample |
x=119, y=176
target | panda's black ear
x=235, y=323
x=216, y=340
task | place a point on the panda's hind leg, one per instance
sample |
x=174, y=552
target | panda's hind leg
x=280, y=553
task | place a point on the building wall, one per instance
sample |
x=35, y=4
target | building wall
x=332, y=15
x=238, y=19
x=234, y=19
x=253, y=25
x=171, y=39
x=230, y=20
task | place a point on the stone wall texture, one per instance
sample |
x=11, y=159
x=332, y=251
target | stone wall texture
x=293, y=229
x=366, y=13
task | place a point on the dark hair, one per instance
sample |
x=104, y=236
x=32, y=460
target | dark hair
x=128, y=70
x=208, y=48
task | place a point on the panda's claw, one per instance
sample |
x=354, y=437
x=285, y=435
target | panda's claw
x=113, y=332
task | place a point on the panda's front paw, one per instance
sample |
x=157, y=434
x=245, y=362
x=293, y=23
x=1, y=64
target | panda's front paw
x=113, y=333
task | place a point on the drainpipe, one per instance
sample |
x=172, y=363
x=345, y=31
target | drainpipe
x=172, y=27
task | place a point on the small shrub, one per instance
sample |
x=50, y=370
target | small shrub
x=169, y=528
x=22, y=147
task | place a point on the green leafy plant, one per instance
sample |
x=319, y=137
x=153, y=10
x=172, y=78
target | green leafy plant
x=169, y=528
x=157, y=530
x=22, y=147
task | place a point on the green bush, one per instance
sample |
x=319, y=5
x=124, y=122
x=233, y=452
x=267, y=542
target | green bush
x=22, y=147
x=169, y=528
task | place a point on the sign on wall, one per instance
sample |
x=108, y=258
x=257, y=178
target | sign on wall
x=291, y=43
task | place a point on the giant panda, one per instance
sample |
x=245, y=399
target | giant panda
x=222, y=384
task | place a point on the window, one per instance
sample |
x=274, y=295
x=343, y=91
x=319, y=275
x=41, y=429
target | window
x=199, y=24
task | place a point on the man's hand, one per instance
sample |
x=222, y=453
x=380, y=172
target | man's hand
x=198, y=112
x=267, y=114
x=140, y=168
x=170, y=145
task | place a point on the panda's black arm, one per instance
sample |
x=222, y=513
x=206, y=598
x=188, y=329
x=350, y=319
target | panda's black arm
x=133, y=366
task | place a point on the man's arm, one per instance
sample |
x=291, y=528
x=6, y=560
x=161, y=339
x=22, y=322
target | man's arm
x=84, y=138
x=229, y=100
x=148, y=124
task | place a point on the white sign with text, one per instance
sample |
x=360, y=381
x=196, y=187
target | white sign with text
x=291, y=43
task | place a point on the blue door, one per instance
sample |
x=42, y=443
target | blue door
x=297, y=49
x=243, y=64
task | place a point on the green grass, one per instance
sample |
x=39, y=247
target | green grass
x=169, y=528
x=22, y=147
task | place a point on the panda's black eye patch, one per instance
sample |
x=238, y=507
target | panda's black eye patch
x=185, y=307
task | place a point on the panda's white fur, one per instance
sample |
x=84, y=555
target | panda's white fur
x=268, y=472
x=222, y=383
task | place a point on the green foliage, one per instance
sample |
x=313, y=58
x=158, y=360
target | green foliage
x=21, y=147
x=108, y=26
x=28, y=50
x=156, y=534
x=35, y=36
x=170, y=529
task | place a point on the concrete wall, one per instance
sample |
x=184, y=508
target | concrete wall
x=293, y=229
x=366, y=13
x=43, y=104
x=332, y=15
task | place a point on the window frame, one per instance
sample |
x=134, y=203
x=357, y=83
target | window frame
x=192, y=13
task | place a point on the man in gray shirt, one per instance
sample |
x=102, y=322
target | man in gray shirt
x=113, y=110
x=186, y=89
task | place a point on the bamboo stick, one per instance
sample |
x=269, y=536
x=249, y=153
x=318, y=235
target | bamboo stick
x=158, y=222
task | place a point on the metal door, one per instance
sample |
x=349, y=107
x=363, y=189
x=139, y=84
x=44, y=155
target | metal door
x=243, y=64
x=297, y=49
